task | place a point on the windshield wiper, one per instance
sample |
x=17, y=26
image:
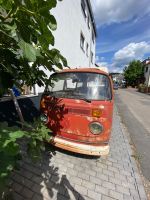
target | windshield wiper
x=63, y=95
x=87, y=100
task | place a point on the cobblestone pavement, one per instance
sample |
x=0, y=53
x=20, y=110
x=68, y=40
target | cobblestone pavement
x=62, y=175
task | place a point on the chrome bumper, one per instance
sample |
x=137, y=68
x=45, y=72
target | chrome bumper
x=80, y=148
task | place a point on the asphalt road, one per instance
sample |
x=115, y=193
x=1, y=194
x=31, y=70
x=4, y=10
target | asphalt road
x=134, y=109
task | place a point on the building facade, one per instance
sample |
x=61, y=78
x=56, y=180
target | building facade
x=75, y=36
x=146, y=64
x=76, y=32
x=117, y=77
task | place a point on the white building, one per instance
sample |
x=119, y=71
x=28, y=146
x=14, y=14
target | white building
x=146, y=64
x=76, y=33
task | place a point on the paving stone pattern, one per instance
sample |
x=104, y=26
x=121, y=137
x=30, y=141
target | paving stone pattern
x=62, y=175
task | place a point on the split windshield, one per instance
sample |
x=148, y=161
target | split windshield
x=80, y=85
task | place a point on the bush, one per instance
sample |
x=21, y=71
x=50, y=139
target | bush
x=10, y=148
x=143, y=88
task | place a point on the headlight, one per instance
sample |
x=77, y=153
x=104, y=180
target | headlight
x=96, y=128
x=43, y=118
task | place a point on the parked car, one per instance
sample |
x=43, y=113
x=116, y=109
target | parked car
x=77, y=107
x=115, y=86
x=123, y=84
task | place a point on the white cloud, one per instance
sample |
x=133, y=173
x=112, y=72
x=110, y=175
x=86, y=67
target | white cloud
x=99, y=59
x=132, y=51
x=128, y=53
x=122, y=57
x=115, y=11
x=115, y=69
x=96, y=59
x=102, y=64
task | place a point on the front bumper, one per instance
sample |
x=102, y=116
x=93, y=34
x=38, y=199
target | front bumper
x=80, y=148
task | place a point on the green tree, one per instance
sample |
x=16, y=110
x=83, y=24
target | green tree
x=26, y=42
x=134, y=73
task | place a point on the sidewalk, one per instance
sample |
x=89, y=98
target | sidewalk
x=63, y=175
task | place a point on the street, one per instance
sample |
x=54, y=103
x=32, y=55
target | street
x=63, y=175
x=134, y=109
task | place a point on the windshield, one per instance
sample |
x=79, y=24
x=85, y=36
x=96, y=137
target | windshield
x=80, y=85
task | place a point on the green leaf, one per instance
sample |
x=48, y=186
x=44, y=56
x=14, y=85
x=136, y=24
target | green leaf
x=64, y=60
x=5, y=143
x=11, y=149
x=46, y=40
x=4, y=174
x=7, y=165
x=46, y=5
x=6, y=4
x=17, y=134
x=38, y=53
x=11, y=29
x=59, y=65
x=52, y=23
x=29, y=52
x=52, y=4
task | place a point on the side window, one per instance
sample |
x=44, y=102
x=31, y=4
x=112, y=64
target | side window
x=106, y=87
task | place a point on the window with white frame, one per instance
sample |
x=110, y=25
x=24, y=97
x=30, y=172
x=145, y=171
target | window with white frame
x=82, y=41
x=87, y=49
x=88, y=21
x=91, y=57
x=83, y=6
x=93, y=36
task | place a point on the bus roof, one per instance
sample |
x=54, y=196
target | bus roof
x=95, y=70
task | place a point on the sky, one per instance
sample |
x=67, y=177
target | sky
x=123, y=32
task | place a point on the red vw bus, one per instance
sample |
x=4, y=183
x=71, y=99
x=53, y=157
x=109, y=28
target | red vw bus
x=77, y=106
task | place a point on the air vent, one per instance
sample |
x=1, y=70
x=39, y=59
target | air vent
x=79, y=111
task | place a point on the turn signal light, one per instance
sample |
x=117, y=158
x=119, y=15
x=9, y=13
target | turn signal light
x=96, y=113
